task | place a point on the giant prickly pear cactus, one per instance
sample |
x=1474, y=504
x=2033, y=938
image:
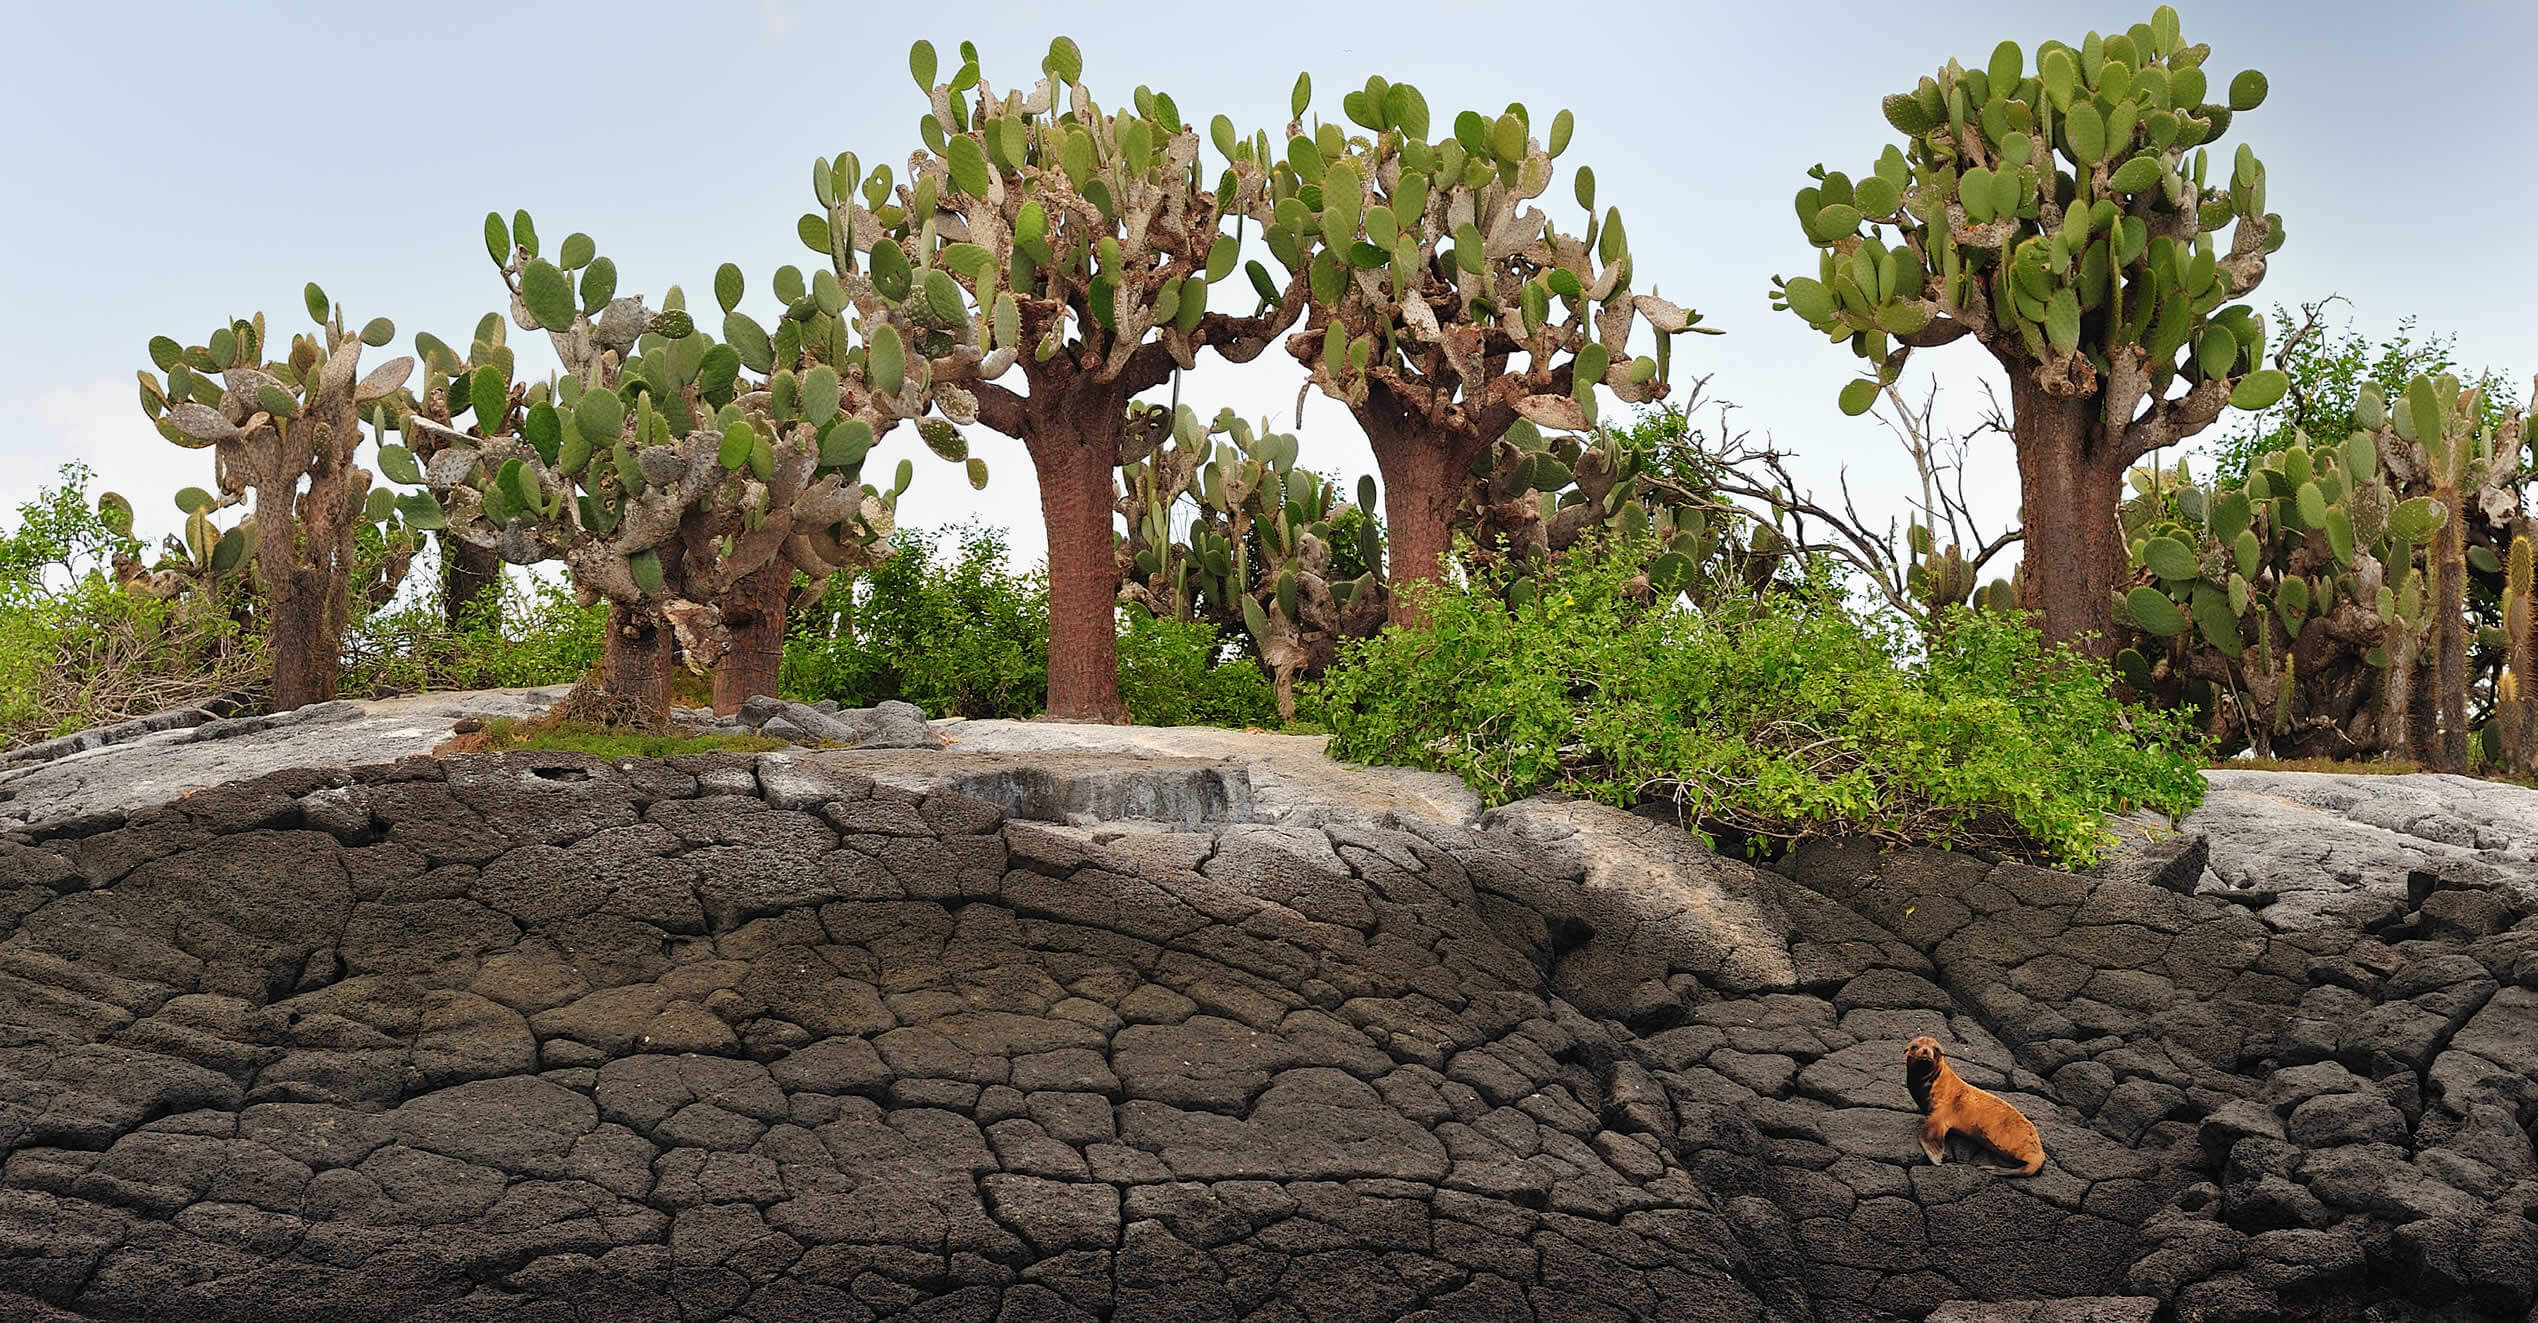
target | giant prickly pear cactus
x=655, y=468
x=1530, y=498
x=2287, y=606
x=2469, y=475
x=2515, y=692
x=283, y=434
x=1445, y=307
x=1039, y=232
x=2065, y=216
x=1257, y=554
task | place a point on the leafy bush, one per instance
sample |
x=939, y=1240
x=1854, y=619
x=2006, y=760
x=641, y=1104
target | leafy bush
x=953, y=631
x=77, y=650
x=94, y=654
x=1179, y=673
x=533, y=634
x=1764, y=721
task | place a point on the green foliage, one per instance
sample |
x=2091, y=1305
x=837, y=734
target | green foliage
x=95, y=654
x=1179, y=673
x=78, y=650
x=1355, y=533
x=1767, y=720
x=61, y=530
x=2328, y=369
x=533, y=633
x=950, y=629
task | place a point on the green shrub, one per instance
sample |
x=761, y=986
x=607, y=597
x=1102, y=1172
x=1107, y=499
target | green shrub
x=1179, y=673
x=534, y=634
x=1765, y=721
x=77, y=650
x=950, y=629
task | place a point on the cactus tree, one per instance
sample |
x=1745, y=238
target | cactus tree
x=1445, y=307
x=2064, y=216
x=283, y=436
x=1038, y=231
x=2432, y=438
x=663, y=477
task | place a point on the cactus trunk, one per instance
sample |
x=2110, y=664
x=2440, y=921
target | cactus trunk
x=471, y=582
x=754, y=613
x=2070, y=481
x=635, y=668
x=305, y=658
x=1074, y=448
x=1421, y=482
x=2447, y=749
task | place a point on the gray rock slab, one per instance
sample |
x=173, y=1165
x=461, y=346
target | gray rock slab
x=2310, y=848
x=155, y=766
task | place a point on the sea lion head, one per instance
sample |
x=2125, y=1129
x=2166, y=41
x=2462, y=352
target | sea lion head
x=1923, y=1058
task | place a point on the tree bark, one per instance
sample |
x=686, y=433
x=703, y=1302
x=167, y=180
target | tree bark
x=471, y=581
x=2448, y=749
x=2070, y=481
x=1074, y=470
x=754, y=613
x=307, y=663
x=635, y=667
x=1419, y=498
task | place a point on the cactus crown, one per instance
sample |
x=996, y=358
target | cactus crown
x=1428, y=265
x=2065, y=215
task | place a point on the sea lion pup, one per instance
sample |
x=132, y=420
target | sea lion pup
x=1950, y=1106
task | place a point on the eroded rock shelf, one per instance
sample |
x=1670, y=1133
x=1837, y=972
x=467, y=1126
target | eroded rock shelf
x=852, y=1036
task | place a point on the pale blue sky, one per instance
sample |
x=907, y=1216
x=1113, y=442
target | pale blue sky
x=178, y=163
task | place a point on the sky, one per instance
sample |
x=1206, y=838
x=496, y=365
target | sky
x=178, y=164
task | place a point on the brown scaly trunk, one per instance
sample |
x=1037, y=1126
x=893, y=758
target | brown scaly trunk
x=471, y=581
x=2070, y=481
x=635, y=668
x=306, y=663
x=2448, y=751
x=754, y=613
x=1421, y=476
x=1074, y=447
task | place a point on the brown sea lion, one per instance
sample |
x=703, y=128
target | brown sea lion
x=1950, y=1106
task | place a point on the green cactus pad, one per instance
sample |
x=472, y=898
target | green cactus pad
x=2154, y=613
x=2260, y=389
x=645, y=566
x=490, y=395
x=599, y=416
x=2415, y=521
x=846, y=444
x=887, y=359
x=2218, y=624
x=548, y=292
x=543, y=429
x=2170, y=558
x=2247, y=91
x=421, y=511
